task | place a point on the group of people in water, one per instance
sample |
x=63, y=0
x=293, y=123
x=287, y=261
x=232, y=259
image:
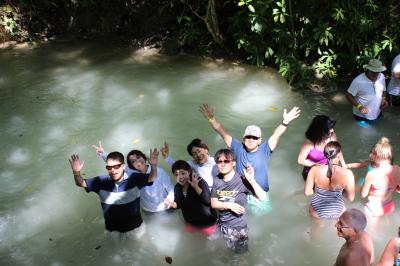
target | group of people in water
x=216, y=193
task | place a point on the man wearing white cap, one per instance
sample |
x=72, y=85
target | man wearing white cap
x=367, y=92
x=252, y=151
x=394, y=83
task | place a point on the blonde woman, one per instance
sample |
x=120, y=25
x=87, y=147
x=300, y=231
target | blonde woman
x=381, y=182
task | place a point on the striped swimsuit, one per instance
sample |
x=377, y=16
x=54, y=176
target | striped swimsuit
x=328, y=203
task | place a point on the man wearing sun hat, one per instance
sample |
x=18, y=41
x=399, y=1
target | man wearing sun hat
x=367, y=92
x=252, y=151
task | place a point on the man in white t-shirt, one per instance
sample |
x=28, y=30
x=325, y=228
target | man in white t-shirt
x=367, y=92
x=394, y=83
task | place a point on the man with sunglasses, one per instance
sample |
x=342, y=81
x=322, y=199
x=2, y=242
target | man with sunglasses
x=358, y=249
x=252, y=151
x=118, y=192
x=229, y=196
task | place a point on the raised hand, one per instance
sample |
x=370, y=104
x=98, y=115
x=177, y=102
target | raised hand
x=76, y=163
x=207, y=111
x=293, y=114
x=165, y=150
x=249, y=173
x=153, y=158
x=99, y=149
x=194, y=181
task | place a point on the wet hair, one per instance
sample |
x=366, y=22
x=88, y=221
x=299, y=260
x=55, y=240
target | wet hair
x=319, y=129
x=138, y=154
x=226, y=152
x=331, y=151
x=116, y=156
x=382, y=150
x=196, y=143
x=357, y=220
x=181, y=165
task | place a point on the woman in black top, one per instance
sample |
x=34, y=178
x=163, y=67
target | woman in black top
x=192, y=196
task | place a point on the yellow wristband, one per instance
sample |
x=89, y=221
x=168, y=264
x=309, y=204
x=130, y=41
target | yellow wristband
x=211, y=120
x=359, y=106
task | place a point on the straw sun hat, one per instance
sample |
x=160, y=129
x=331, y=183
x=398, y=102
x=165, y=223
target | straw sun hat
x=375, y=65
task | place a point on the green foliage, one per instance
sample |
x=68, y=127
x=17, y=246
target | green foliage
x=304, y=39
x=9, y=21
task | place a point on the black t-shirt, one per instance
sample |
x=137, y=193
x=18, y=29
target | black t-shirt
x=235, y=190
x=196, y=209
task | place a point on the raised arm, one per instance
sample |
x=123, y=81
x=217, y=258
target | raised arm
x=100, y=151
x=287, y=118
x=201, y=188
x=153, y=159
x=76, y=166
x=249, y=175
x=165, y=154
x=351, y=186
x=208, y=113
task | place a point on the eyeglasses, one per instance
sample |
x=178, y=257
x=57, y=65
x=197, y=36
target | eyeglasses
x=110, y=167
x=223, y=161
x=251, y=137
x=340, y=227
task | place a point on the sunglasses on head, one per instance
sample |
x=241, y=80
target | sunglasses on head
x=110, y=167
x=251, y=137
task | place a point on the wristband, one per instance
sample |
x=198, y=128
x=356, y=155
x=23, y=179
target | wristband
x=284, y=124
x=211, y=119
x=76, y=172
x=359, y=106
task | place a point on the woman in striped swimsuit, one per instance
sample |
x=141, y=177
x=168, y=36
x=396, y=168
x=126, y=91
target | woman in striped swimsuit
x=328, y=184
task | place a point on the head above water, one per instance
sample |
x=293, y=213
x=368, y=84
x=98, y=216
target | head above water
x=133, y=156
x=181, y=165
x=355, y=219
x=115, y=165
x=182, y=172
x=198, y=143
x=116, y=156
x=381, y=151
x=227, y=153
x=252, y=138
x=331, y=151
x=253, y=131
x=198, y=150
x=320, y=128
x=373, y=68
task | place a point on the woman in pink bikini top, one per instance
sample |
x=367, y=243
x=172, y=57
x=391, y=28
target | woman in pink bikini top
x=319, y=132
x=381, y=182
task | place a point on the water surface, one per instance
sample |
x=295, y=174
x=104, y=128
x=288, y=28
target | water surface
x=61, y=98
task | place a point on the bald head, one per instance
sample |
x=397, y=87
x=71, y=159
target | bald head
x=355, y=219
